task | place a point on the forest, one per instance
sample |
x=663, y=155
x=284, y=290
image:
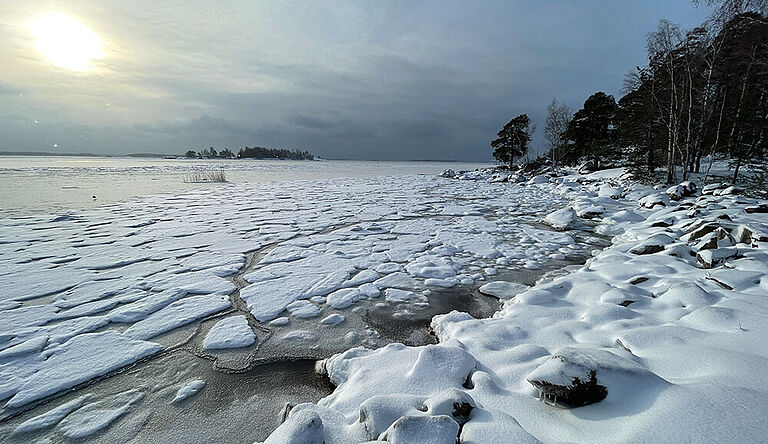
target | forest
x=703, y=96
x=256, y=152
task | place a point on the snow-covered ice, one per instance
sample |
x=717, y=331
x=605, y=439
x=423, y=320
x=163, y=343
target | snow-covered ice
x=674, y=305
x=231, y=332
x=76, y=361
x=189, y=389
x=502, y=289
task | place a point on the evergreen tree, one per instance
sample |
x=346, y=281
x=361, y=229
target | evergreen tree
x=512, y=140
x=591, y=132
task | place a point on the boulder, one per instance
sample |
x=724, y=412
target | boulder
x=569, y=379
x=712, y=187
x=719, y=238
x=713, y=258
x=589, y=211
x=699, y=230
x=654, y=244
x=689, y=188
x=423, y=430
x=746, y=235
x=449, y=173
x=726, y=191
x=564, y=219
x=653, y=200
x=612, y=192
x=378, y=413
x=684, y=189
x=575, y=376
x=303, y=427
x=675, y=192
x=760, y=208
x=453, y=402
x=538, y=179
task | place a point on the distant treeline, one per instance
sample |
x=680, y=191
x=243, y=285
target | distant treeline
x=256, y=152
x=703, y=94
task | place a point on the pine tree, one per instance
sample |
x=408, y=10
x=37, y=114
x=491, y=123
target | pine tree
x=512, y=140
x=591, y=132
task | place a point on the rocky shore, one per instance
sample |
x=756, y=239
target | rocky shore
x=658, y=338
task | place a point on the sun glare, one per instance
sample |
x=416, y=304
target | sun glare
x=65, y=42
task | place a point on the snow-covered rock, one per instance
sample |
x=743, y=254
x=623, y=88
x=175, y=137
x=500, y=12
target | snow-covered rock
x=609, y=191
x=654, y=200
x=563, y=219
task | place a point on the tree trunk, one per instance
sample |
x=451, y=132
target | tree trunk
x=717, y=136
x=736, y=170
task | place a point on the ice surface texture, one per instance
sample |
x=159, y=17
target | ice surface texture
x=645, y=343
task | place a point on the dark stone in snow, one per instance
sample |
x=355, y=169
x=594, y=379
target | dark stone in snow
x=654, y=244
x=647, y=249
x=762, y=208
x=703, y=231
x=455, y=403
x=712, y=258
x=461, y=411
x=577, y=394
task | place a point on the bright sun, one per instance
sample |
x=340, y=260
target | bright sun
x=65, y=42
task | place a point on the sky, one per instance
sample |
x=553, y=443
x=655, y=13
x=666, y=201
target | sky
x=378, y=80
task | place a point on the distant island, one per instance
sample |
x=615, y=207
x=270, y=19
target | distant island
x=251, y=153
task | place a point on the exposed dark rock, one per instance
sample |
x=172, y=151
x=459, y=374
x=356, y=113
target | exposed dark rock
x=286, y=411
x=713, y=258
x=622, y=346
x=761, y=208
x=577, y=393
x=708, y=243
x=702, y=231
x=647, y=249
x=455, y=403
x=461, y=411
x=653, y=244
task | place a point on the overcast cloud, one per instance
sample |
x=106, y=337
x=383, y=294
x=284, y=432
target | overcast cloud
x=343, y=79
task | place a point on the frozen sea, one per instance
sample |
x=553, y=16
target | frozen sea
x=164, y=311
x=30, y=184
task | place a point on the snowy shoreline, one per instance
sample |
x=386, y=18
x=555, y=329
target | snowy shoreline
x=223, y=278
x=668, y=323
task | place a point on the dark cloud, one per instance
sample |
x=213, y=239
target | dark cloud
x=394, y=80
